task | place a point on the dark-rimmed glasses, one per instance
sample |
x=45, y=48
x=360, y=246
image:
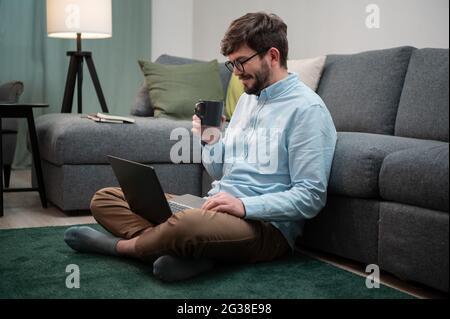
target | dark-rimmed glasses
x=239, y=65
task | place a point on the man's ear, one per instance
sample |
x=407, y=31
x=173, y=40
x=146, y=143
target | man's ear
x=274, y=55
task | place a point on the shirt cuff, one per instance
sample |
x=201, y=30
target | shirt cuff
x=254, y=206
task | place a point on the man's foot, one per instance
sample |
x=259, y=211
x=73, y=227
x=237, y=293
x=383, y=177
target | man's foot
x=88, y=240
x=171, y=268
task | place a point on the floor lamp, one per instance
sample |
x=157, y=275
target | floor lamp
x=79, y=19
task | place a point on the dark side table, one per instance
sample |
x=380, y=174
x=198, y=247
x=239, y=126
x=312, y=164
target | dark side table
x=20, y=110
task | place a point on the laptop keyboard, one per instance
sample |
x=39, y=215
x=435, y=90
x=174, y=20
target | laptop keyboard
x=175, y=207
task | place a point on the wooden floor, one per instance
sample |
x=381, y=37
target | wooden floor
x=24, y=210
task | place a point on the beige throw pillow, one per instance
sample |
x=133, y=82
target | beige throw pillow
x=309, y=70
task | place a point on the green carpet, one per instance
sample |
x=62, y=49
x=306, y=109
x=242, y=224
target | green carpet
x=33, y=265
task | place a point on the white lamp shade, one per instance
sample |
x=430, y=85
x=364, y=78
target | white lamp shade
x=91, y=18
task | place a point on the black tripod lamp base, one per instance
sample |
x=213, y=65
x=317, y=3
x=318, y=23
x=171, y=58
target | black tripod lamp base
x=75, y=74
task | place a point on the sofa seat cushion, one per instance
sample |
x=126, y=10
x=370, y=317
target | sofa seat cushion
x=417, y=176
x=71, y=139
x=358, y=159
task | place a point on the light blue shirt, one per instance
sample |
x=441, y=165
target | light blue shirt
x=276, y=155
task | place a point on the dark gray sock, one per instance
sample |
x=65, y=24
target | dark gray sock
x=88, y=240
x=171, y=268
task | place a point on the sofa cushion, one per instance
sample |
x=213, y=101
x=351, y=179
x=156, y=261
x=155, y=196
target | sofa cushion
x=417, y=176
x=234, y=92
x=358, y=158
x=71, y=139
x=423, y=108
x=142, y=105
x=175, y=89
x=362, y=90
x=309, y=70
x=174, y=60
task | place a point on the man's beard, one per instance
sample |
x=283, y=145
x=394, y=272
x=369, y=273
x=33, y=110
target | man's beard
x=261, y=80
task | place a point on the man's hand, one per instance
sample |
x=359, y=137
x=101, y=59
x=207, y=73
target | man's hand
x=209, y=134
x=225, y=203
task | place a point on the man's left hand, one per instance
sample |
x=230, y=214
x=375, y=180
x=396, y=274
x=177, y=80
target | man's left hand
x=225, y=203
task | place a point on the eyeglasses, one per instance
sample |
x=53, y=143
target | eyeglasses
x=239, y=65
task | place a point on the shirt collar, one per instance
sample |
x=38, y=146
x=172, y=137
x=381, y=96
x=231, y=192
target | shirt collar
x=276, y=89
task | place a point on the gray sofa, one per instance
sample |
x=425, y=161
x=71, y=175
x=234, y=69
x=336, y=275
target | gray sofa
x=388, y=192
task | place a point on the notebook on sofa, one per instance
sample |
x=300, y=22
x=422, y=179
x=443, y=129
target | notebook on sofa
x=107, y=118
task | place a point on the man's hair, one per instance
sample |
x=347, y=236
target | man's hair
x=259, y=31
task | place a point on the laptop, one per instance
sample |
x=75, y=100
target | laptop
x=144, y=193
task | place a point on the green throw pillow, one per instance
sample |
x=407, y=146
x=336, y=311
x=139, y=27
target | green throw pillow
x=175, y=89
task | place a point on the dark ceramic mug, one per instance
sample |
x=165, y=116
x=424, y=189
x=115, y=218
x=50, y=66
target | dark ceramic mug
x=209, y=112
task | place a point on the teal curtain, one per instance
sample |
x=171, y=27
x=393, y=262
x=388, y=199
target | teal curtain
x=28, y=55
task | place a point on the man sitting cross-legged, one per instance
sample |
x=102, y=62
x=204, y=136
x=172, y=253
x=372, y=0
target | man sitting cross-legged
x=255, y=210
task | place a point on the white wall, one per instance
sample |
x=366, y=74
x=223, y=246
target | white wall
x=194, y=28
x=172, y=27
